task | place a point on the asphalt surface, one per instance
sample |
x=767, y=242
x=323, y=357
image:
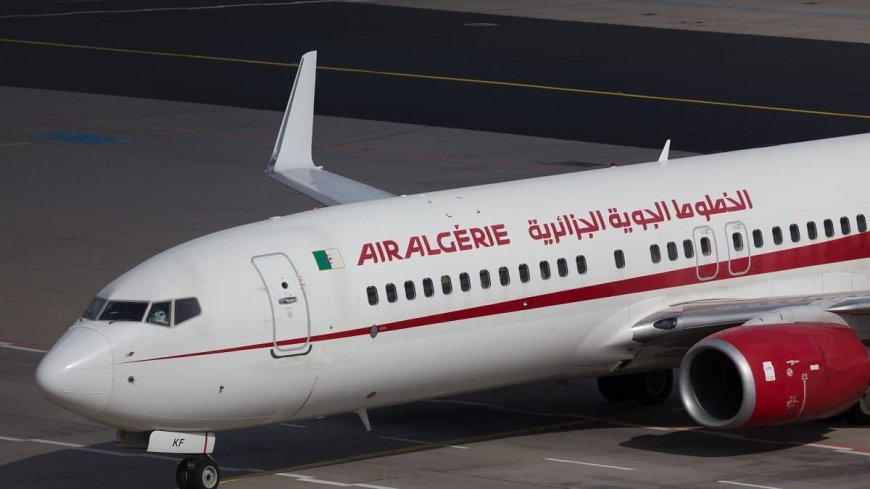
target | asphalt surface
x=535, y=69
x=77, y=214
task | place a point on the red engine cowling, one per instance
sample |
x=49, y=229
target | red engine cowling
x=773, y=374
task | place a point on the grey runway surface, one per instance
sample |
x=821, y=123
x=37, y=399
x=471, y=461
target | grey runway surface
x=94, y=184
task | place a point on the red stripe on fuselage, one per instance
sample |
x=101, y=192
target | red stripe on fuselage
x=852, y=247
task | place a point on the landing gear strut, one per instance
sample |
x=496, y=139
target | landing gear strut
x=648, y=388
x=197, y=473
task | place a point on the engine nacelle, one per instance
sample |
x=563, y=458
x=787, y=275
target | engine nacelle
x=773, y=374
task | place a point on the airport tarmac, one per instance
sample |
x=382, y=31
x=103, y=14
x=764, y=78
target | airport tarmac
x=614, y=84
x=94, y=184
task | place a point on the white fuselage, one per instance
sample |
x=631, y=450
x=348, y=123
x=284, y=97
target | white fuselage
x=336, y=352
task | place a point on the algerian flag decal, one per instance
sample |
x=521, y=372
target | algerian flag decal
x=328, y=259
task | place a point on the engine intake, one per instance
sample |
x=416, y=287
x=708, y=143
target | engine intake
x=773, y=374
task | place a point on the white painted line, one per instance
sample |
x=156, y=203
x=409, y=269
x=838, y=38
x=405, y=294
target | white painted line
x=291, y=425
x=830, y=447
x=308, y=478
x=325, y=483
x=617, y=467
x=743, y=484
x=420, y=442
x=19, y=347
x=53, y=442
x=9, y=438
x=853, y=452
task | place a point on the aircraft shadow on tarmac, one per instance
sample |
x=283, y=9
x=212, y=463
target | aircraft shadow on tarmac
x=533, y=409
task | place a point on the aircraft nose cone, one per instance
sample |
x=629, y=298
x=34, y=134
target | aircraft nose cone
x=77, y=372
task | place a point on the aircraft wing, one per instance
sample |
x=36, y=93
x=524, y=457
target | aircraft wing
x=673, y=330
x=292, y=163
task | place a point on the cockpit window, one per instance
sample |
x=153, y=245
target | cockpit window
x=124, y=311
x=160, y=313
x=94, y=308
x=186, y=309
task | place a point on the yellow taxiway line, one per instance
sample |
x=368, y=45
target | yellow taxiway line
x=455, y=79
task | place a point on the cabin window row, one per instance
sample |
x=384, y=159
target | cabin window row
x=503, y=276
x=673, y=253
x=829, y=227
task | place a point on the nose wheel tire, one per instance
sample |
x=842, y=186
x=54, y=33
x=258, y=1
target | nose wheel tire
x=197, y=473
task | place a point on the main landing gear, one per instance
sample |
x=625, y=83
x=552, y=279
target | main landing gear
x=198, y=473
x=648, y=388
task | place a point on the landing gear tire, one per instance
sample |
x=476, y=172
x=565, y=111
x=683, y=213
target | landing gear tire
x=183, y=473
x=651, y=388
x=197, y=473
x=615, y=389
x=859, y=414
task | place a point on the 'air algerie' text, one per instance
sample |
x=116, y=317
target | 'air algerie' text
x=445, y=242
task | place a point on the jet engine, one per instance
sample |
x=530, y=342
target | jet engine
x=773, y=374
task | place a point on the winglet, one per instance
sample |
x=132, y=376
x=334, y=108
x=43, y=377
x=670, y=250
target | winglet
x=293, y=147
x=665, y=152
x=292, y=163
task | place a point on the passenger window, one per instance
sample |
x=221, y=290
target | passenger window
x=655, y=254
x=619, y=258
x=672, y=251
x=504, y=276
x=581, y=264
x=428, y=287
x=812, y=232
x=446, y=284
x=124, y=311
x=757, y=238
x=160, y=313
x=844, y=225
x=464, y=282
x=392, y=296
x=829, y=228
x=705, y=246
x=737, y=241
x=688, y=248
x=410, y=290
x=862, y=223
x=372, y=292
x=777, y=235
x=795, y=233
x=94, y=308
x=524, y=273
x=562, y=267
x=545, y=269
x=485, y=282
x=186, y=309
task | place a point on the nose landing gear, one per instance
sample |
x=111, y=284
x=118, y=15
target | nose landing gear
x=197, y=473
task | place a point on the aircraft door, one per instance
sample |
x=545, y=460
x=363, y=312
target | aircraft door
x=737, y=239
x=706, y=253
x=291, y=331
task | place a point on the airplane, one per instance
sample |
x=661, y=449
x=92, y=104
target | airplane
x=748, y=270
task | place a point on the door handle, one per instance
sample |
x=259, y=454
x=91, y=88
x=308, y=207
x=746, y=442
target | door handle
x=287, y=300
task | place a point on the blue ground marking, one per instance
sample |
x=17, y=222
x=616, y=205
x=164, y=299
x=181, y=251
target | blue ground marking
x=762, y=10
x=72, y=137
